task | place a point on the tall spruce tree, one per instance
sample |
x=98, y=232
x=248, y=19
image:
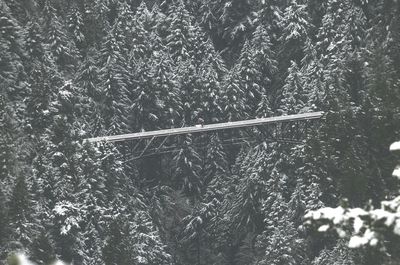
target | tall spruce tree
x=114, y=75
x=62, y=48
x=20, y=214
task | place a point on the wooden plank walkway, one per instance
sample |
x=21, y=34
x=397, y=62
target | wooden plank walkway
x=210, y=127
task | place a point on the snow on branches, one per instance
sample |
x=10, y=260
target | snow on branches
x=362, y=227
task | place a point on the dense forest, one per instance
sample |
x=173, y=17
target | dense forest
x=75, y=69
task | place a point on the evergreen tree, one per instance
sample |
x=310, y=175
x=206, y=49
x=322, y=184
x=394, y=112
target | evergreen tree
x=114, y=82
x=187, y=173
x=8, y=145
x=296, y=27
x=216, y=166
x=43, y=80
x=145, y=245
x=3, y=219
x=155, y=96
x=62, y=179
x=20, y=215
x=75, y=25
x=148, y=65
x=234, y=97
x=184, y=38
x=12, y=74
x=282, y=246
x=95, y=21
x=227, y=22
x=249, y=72
x=114, y=251
x=62, y=48
x=265, y=62
x=88, y=82
x=269, y=13
x=206, y=97
x=196, y=233
x=118, y=186
x=21, y=10
x=293, y=96
x=146, y=40
x=68, y=240
x=42, y=250
x=134, y=242
x=92, y=194
x=246, y=207
x=339, y=254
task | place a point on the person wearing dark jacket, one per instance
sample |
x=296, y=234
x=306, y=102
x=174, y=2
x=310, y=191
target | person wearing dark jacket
x=200, y=122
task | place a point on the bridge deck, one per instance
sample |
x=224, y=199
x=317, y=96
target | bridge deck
x=210, y=127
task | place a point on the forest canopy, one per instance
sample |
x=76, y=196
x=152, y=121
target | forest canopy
x=70, y=70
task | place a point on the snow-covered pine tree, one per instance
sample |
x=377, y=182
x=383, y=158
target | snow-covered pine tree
x=4, y=226
x=197, y=233
x=60, y=45
x=145, y=39
x=248, y=194
x=92, y=195
x=88, y=82
x=269, y=13
x=155, y=94
x=282, y=245
x=8, y=144
x=118, y=186
x=114, y=76
x=234, y=106
x=134, y=240
x=216, y=168
x=293, y=98
x=249, y=73
x=265, y=61
x=187, y=169
x=145, y=245
x=76, y=27
x=114, y=250
x=20, y=214
x=296, y=27
x=338, y=254
x=206, y=96
x=41, y=250
x=43, y=80
x=61, y=179
x=95, y=21
x=380, y=111
x=12, y=74
x=184, y=37
x=341, y=45
x=125, y=21
x=227, y=22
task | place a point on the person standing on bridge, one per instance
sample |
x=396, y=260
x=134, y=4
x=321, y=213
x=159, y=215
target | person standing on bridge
x=200, y=122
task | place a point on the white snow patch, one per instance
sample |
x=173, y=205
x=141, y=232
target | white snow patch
x=396, y=228
x=358, y=224
x=356, y=242
x=396, y=172
x=60, y=210
x=395, y=146
x=23, y=259
x=369, y=237
x=333, y=214
x=323, y=228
